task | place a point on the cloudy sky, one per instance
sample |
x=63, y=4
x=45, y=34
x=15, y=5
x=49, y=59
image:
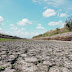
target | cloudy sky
x=27, y=18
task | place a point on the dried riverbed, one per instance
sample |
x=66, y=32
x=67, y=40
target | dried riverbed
x=36, y=56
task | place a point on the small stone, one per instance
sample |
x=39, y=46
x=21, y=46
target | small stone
x=65, y=70
x=54, y=69
x=32, y=59
x=42, y=68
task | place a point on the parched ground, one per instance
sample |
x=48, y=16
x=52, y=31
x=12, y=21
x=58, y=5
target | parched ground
x=36, y=56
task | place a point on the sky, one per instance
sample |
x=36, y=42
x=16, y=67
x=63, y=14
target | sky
x=28, y=18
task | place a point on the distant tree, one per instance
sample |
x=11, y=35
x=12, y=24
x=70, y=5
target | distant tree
x=69, y=23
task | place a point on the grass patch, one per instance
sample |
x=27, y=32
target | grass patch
x=61, y=65
x=5, y=39
x=2, y=68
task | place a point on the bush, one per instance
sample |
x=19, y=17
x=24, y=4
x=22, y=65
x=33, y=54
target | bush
x=69, y=23
x=2, y=68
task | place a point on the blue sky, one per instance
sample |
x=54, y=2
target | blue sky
x=27, y=18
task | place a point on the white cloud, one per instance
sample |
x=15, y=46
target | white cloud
x=49, y=12
x=25, y=34
x=64, y=4
x=24, y=22
x=60, y=23
x=40, y=26
x=37, y=1
x=4, y=31
x=63, y=15
x=45, y=0
x=13, y=27
x=1, y=20
x=19, y=33
x=45, y=7
x=56, y=3
x=34, y=0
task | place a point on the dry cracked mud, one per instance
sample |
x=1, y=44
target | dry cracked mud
x=36, y=56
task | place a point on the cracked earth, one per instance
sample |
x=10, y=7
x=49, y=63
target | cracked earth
x=36, y=56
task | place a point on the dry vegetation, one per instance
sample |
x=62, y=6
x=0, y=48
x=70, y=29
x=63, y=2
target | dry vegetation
x=58, y=34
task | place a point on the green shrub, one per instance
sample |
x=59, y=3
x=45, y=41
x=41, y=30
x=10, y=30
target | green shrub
x=2, y=68
x=12, y=66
